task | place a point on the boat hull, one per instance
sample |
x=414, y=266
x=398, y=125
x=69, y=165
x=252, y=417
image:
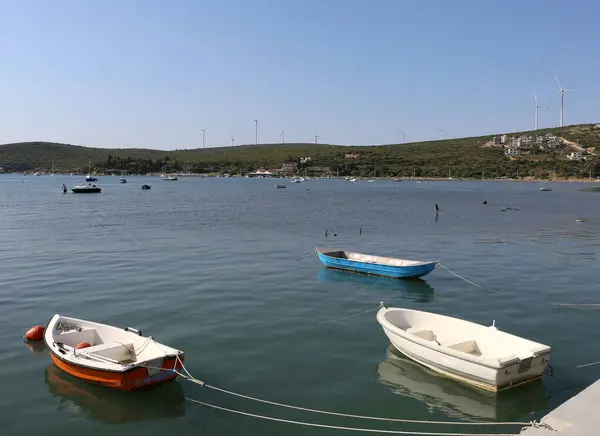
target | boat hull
x=398, y=272
x=135, y=379
x=86, y=191
x=492, y=378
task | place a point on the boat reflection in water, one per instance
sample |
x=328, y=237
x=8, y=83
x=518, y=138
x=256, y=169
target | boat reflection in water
x=100, y=404
x=407, y=378
x=417, y=290
x=36, y=346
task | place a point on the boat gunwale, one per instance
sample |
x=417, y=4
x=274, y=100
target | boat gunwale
x=418, y=263
x=444, y=349
x=126, y=368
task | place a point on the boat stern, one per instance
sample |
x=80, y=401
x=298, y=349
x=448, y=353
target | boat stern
x=524, y=367
x=157, y=371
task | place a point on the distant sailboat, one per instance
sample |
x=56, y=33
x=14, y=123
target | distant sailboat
x=89, y=177
x=544, y=187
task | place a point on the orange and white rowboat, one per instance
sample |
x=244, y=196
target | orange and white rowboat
x=110, y=356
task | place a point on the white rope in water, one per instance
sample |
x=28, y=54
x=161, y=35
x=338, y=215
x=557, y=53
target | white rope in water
x=191, y=378
x=337, y=427
x=348, y=317
x=375, y=418
x=587, y=364
x=577, y=304
x=466, y=280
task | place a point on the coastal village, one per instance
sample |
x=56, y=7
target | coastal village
x=538, y=144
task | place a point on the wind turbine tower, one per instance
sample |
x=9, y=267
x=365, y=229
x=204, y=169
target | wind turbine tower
x=536, y=109
x=256, y=130
x=317, y=136
x=443, y=135
x=561, y=93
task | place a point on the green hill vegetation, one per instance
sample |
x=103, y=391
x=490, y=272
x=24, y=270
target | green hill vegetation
x=461, y=158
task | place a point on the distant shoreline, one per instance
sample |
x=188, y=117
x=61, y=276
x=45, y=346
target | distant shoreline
x=291, y=176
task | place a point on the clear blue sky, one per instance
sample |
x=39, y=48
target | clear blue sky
x=133, y=73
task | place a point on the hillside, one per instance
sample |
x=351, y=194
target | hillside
x=462, y=157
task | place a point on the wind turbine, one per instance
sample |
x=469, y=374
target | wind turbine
x=203, y=133
x=442, y=130
x=536, y=109
x=561, y=93
x=404, y=134
x=316, y=136
x=232, y=139
x=256, y=130
x=282, y=136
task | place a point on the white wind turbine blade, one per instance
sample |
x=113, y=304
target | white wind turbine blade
x=554, y=99
x=535, y=96
x=559, y=86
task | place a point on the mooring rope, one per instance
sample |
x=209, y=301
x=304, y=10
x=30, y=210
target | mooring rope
x=466, y=280
x=348, y=317
x=188, y=376
x=577, y=304
x=587, y=364
x=338, y=427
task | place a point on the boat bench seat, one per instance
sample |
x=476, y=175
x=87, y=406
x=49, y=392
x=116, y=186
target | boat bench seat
x=112, y=350
x=428, y=335
x=73, y=337
x=469, y=346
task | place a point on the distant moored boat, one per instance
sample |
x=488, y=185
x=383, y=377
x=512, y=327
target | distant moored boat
x=378, y=265
x=86, y=189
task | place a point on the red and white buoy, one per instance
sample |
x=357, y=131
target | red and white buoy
x=35, y=333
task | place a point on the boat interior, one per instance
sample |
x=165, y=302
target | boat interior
x=367, y=258
x=466, y=337
x=112, y=344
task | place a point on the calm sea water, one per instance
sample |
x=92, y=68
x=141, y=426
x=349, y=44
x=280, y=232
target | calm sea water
x=222, y=269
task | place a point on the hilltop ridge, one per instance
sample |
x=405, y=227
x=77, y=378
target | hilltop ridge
x=461, y=157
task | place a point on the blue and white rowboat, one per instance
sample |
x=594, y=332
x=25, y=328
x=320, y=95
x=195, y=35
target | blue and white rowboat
x=378, y=265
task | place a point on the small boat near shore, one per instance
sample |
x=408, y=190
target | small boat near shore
x=86, y=189
x=378, y=265
x=168, y=177
x=481, y=356
x=405, y=377
x=117, y=358
x=145, y=187
x=122, y=180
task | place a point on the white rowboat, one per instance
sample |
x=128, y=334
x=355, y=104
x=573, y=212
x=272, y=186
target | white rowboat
x=482, y=356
